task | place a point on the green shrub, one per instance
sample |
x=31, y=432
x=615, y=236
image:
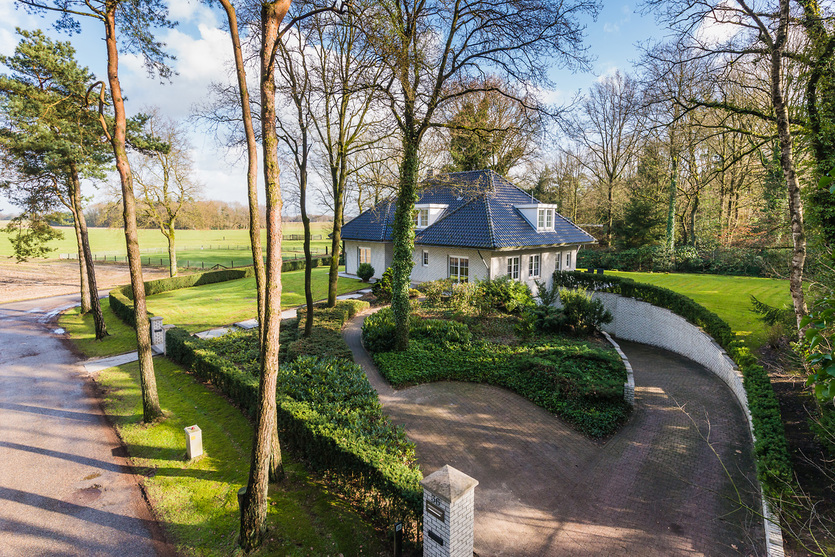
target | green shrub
x=547, y=296
x=365, y=271
x=581, y=312
x=774, y=469
x=330, y=416
x=378, y=331
x=382, y=288
x=543, y=319
x=580, y=383
x=505, y=295
x=325, y=338
x=435, y=290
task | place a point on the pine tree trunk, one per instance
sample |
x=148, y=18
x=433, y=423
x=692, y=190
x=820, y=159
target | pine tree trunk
x=254, y=511
x=252, y=166
x=75, y=204
x=150, y=400
x=90, y=269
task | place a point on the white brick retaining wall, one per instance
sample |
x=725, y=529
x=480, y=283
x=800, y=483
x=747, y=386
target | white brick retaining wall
x=648, y=324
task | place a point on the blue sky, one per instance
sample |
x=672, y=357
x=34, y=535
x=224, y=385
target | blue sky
x=202, y=51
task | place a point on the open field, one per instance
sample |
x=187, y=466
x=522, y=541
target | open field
x=111, y=241
x=728, y=297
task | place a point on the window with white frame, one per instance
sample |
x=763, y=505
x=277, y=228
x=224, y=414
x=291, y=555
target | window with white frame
x=421, y=219
x=545, y=219
x=568, y=261
x=558, y=262
x=534, y=264
x=363, y=255
x=513, y=267
x=425, y=258
x=459, y=268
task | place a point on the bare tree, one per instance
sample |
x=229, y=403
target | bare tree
x=135, y=21
x=165, y=180
x=426, y=45
x=607, y=127
x=753, y=38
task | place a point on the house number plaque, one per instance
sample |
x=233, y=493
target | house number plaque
x=435, y=511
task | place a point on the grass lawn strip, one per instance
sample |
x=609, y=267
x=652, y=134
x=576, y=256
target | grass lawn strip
x=204, y=307
x=120, y=340
x=728, y=297
x=197, y=501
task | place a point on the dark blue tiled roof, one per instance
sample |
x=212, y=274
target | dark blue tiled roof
x=480, y=214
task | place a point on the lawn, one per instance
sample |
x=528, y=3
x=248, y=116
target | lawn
x=121, y=338
x=729, y=297
x=111, y=241
x=196, y=501
x=204, y=307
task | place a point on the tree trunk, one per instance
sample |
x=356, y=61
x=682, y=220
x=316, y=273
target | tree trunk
x=254, y=511
x=90, y=270
x=403, y=236
x=308, y=260
x=172, y=250
x=75, y=204
x=798, y=258
x=671, y=207
x=336, y=242
x=150, y=400
x=252, y=166
x=691, y=220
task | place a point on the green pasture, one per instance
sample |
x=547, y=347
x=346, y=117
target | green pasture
x=110, y=242
x=729, y=297
x=213, y=305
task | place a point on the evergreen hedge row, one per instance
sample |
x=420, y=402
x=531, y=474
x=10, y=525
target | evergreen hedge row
x=330, y=416
x=774, y=468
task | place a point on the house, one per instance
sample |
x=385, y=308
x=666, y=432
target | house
x=470, y=226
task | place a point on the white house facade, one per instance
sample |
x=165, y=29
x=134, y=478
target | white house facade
x=470, y=226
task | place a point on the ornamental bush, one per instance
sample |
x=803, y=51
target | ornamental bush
x=365, y=271
x=382, y=288
x=504, y=295
x=582, y=313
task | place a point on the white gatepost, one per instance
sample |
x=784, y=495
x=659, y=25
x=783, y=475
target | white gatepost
x=448, y=499
x=157, y=334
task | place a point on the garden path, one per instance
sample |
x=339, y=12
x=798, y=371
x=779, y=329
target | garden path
x=655, y=488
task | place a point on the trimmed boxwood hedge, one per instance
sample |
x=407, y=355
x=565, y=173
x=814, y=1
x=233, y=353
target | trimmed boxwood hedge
x=774, y=468
x=330, y=416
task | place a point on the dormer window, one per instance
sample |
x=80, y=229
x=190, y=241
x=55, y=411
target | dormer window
x=545, y=219
x=421, y=218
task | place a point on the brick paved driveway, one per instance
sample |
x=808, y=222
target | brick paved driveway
x=655, y=488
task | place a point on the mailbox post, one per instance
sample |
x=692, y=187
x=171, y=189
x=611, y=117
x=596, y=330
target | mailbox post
x=448, y=513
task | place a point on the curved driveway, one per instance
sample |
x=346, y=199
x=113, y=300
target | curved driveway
x=655, y=488
x=64, y=489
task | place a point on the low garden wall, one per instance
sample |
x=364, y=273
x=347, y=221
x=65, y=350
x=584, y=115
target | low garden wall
x=660, y=317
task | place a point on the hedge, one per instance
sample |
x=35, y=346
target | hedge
x=121, y=299
x=774, y=468
x=330, y=416
x=325, y=338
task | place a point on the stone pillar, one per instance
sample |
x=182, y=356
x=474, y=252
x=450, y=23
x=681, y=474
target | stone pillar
x=157, y=334
x=448, y=498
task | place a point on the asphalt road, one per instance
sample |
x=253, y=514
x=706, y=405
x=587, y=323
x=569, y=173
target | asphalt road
x=64, y=488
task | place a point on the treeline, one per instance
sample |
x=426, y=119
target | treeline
x=196, y=215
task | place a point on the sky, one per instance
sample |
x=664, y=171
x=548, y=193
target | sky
x=203, y=55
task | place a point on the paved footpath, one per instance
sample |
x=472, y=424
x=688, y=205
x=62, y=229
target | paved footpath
x=655, y=488
x=64, y=489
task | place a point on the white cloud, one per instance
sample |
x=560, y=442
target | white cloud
x=611, y=27
x=719, y=26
